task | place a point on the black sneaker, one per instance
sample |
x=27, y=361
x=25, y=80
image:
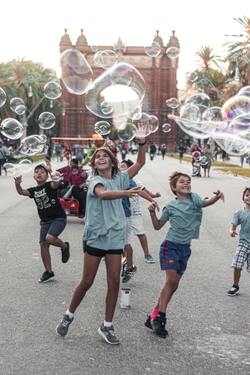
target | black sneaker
x=129, y=273
x=63, y=326
x=46, y=276
x=158, y=325
x=148, y=322
x=233, y=291
x=108, y=335
x=65, y=253
x=124, y=267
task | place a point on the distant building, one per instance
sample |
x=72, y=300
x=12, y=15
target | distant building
x=158, y=72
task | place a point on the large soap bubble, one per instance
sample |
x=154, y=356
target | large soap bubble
x=52, y=90
x=76, y=72
x=198, y=99
x=10, y=168
x=46, y=120
x=31, y=145
x=11, y=128
x=244, y=91
x=121, y=88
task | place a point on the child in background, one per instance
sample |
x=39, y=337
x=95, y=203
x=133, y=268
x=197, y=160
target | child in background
x=135, y=224
x=51, y=213
x=184, y=214
x=242, y=254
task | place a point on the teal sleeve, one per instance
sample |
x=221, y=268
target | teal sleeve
x=165, y=214
x=236, y=218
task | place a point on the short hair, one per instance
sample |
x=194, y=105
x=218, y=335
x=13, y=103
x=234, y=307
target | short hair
x=175, y=177
x=114, y=160
x=246, y=190
x=41, y=166
x=128, y=162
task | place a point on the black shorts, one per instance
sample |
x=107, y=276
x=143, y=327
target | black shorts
x=100, y=252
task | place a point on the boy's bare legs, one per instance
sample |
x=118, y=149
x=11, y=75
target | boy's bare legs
x=55, y=241
x=171, y=285
x=45, y=254
x=113, y=265
x=144, y=243
x=237, y=273
x=90, y=267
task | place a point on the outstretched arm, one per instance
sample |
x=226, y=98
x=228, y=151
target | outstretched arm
x=19, y=189
x=115, y=194
x=134, y=169
x=157, y=224
x=209, y=201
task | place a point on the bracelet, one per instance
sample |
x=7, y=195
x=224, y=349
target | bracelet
x=142, y=144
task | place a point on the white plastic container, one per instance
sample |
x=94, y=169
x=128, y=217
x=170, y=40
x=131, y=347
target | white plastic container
x=125, y=298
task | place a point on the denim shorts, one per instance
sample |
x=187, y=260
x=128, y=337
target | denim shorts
x=174, y=256
x=100, y=252
x=53, y=227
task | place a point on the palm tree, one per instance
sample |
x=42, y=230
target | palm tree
x=239, y=52
x=26, y=79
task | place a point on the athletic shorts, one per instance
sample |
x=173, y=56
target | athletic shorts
x=134, y=227
x=100, y=252
x=53, y=227
x=241, y=255
x=174, y=256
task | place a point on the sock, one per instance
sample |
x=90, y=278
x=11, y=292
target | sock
x=154, y=313
x=71, y=315
x=107, y=324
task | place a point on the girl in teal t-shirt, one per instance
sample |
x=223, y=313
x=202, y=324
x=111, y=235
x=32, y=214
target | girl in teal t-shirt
x=104, y=234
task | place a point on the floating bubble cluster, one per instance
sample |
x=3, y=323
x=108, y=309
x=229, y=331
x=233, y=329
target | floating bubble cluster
x=229, y=125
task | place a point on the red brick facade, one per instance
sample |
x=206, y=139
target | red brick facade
x=159, y=74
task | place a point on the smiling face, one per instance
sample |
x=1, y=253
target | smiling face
x=182, y=186
x=246, y=198
x=102, y=161
x=40, y=175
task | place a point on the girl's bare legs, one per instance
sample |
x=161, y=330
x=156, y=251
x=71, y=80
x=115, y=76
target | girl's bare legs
x=113, y=265
x=45, y=254
x=90, y=267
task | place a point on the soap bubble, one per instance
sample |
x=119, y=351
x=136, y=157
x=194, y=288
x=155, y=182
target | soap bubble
x=25, y=166
x=52, y=90
x=102, y=128
x=105, y=59
x=172, y=52
x=126, y=132
x=11, y=128
x=46, y=120
x=17, y=106
x=76, y=72
x=172, y=103
x=153, y=50
x=166, y=128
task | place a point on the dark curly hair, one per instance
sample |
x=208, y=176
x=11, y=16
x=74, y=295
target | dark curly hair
x=246, y=190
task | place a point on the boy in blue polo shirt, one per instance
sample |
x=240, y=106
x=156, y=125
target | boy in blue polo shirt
x=185, y=215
